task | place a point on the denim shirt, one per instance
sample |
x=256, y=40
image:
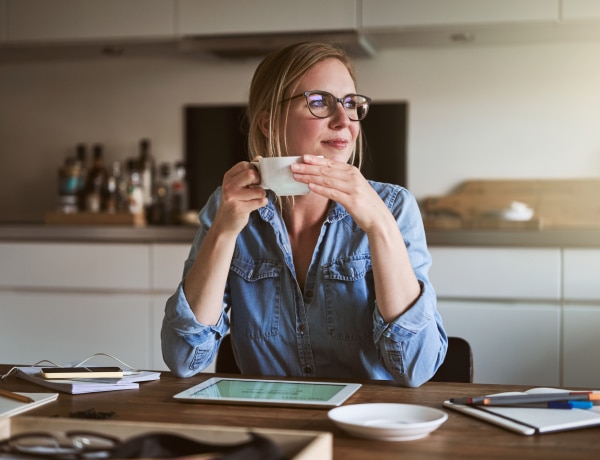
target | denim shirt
x=331, y=329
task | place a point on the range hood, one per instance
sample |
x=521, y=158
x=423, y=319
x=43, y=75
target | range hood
x=257, y=45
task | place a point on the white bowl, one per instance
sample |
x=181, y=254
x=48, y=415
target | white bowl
x=518, y=212
x=388, y=422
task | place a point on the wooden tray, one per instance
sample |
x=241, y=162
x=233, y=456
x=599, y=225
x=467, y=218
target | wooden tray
x=93, y=218
x=298, y=445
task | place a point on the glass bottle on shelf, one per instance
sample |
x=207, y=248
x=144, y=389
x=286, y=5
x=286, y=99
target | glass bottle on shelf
x=135, y=194
x=161, y=209
x=81, y=160
x=68, y=184
x=111, y=197
x=96, y=180
x=147, y=169
x=179, y=194
x=121, y=174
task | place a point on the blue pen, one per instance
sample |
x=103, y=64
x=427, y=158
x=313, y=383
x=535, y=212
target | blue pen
x=570, y=404
x=551, y=405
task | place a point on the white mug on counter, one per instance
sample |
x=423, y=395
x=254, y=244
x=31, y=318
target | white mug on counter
x=276, y=174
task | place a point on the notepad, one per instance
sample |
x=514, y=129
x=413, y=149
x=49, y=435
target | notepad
x=10, y=407
x=529, y=420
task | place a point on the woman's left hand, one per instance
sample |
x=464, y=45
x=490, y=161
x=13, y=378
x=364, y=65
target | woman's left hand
x=345, y=184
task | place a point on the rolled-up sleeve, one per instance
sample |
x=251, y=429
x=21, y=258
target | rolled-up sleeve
x=188, y=347
x=414, y=345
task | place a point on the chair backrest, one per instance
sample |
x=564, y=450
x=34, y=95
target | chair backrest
x=225, y=360
x=457, y=367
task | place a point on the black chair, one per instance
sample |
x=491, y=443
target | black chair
x=457, y=367
x=225, y=360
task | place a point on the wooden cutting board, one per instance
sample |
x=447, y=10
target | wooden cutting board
x=557, y=203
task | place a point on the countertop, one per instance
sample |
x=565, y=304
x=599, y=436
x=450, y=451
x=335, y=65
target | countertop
x=185, y=234
x=589, y=238
x=97, y=233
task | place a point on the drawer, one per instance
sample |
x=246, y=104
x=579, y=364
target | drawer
x=75, y=266
x=167, y=265
x=496, y=273
x=581, y=268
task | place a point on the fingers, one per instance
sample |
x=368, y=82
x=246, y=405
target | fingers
x=344, y=184
x=330, y=174
x=241, y=175
x=240, y=195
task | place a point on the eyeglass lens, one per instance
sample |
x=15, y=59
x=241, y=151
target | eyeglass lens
x=323, y=104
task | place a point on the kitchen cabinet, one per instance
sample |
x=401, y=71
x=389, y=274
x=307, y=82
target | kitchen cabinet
x=113, y=267
x=581, y=341
x=219, y=17
x=530, y=314
x=581, y=316
x=69, y=20
x=167, y=265
x=503, y=301
x=67, y=301
x=582, y=266
x=385, y=23
x=496, y=273
x=576, y=10
x=427, y=13
x=401, y=23
x=66, y=326
x=512, y=342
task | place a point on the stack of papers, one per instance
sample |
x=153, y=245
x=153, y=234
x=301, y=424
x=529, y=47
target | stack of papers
x=10, y=407
x=79, y=386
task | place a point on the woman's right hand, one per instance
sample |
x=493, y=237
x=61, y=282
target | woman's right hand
x=240, y=196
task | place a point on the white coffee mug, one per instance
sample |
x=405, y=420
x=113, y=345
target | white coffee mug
x=276, y=174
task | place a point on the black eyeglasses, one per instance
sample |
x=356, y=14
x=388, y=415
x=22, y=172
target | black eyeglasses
x=323, y=104
x=75, y=445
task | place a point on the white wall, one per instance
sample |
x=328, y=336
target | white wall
x=522, y=112
x=475, y=112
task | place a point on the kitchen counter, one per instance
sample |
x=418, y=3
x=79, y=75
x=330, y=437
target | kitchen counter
x=515, y=238
x=95, y=233
x=185, y=234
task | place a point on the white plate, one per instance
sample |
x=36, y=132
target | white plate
x=388, y=422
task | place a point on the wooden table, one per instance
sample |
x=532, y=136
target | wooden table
x=460, y=437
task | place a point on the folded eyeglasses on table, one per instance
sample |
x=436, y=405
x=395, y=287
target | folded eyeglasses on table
x=83, y=445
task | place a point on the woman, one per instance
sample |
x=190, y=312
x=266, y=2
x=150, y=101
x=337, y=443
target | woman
x=329, y=284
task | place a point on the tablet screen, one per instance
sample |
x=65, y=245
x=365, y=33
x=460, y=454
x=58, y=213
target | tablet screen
x=279, y=392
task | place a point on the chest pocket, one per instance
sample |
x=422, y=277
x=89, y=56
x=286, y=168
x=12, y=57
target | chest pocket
x=349, y=298
x=255, y=289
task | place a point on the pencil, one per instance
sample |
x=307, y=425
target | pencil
x=503, y=400
x=15, y=396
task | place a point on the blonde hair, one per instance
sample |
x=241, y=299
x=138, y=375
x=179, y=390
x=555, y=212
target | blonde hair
x=275, y=78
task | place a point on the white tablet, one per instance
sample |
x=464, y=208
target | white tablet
x=269, y=392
